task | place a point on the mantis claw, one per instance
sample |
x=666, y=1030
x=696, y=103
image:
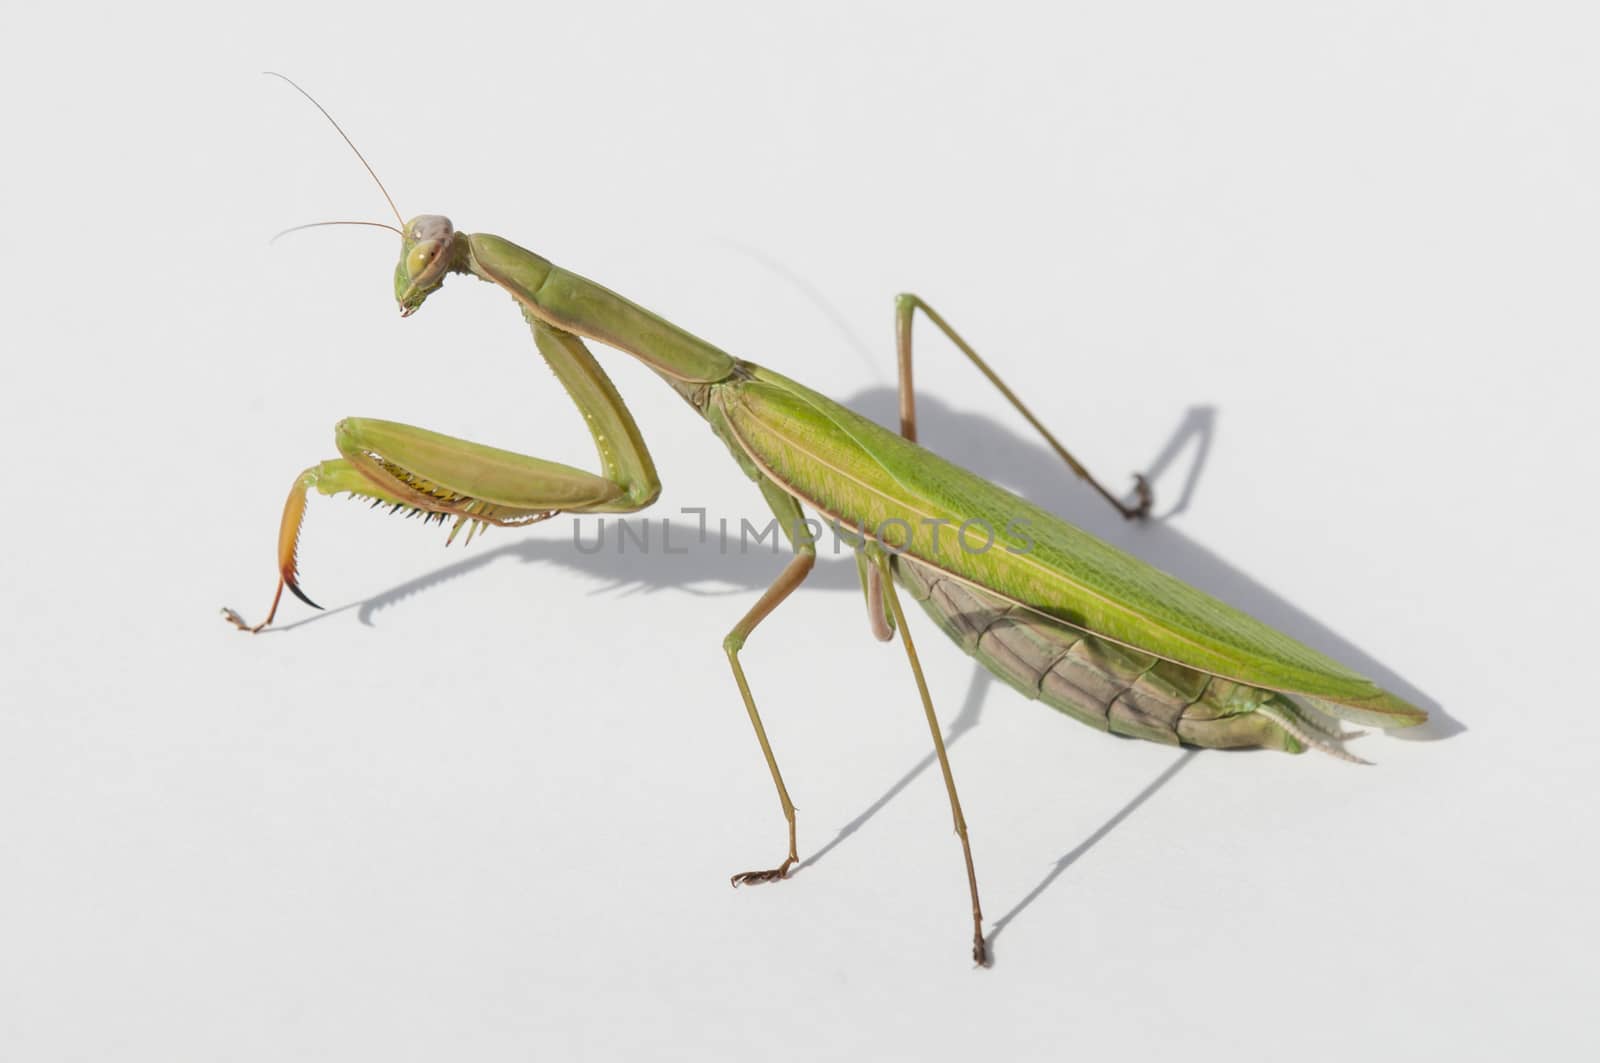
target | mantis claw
x=298, y=593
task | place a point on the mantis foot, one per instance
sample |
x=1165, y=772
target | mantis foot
x=1141, y=490
x=980, y=950
x=751, y=878
x=238, y=621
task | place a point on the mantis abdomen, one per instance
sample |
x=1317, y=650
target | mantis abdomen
x=1101, y=683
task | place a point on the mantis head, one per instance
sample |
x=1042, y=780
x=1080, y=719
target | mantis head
x=428, y=250
x=428, y=245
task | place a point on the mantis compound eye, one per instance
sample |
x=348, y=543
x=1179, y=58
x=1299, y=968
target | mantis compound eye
x=421, y=259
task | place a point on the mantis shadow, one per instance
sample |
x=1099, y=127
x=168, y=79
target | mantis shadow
x=966, y=720
x=706, y=566
x=1072, y=855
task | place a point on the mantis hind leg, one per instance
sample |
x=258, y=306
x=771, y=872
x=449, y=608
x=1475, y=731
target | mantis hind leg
x=905, y=308
x=980, y=952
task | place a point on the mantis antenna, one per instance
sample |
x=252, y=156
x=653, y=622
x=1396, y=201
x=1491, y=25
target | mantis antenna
x=319, y=224
x=347, y=140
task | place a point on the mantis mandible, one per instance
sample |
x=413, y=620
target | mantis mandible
x=1053, y=611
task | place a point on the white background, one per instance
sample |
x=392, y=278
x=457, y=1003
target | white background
x=485, y=807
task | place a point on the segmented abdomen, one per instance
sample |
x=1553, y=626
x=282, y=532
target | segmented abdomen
x=1101, y=683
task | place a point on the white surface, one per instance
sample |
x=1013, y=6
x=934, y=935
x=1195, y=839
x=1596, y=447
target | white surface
x=484, y=808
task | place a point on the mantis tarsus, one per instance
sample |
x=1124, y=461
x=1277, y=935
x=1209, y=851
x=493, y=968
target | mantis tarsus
x=1056, y=613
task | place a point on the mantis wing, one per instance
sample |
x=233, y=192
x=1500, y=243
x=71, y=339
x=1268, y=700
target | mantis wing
x=867, y=477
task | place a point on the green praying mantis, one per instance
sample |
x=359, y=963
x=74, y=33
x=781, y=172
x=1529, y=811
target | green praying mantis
x=1053, y=611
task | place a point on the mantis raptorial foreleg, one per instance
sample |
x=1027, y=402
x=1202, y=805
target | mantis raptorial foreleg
x=792, y=519
x=905, y=307
x=886, y=580
x=442, y=477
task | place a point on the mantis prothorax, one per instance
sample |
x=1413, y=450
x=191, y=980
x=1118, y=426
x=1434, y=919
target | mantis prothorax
x=1055, y=612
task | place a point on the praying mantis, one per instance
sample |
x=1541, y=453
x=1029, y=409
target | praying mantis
x=1056, y=613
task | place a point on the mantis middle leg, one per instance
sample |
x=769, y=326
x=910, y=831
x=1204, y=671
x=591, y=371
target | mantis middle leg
x=792, y=519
